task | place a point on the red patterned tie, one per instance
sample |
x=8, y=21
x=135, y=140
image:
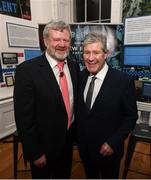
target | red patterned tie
x=64, y=89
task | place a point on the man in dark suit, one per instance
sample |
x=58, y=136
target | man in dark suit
x=105, y=121
x=44, y=124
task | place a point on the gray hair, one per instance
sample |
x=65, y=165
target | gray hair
x=56, y=25
x=94, y=37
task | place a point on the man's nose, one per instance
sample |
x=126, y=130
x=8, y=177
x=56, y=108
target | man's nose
x=62, y=43
x=91, y=56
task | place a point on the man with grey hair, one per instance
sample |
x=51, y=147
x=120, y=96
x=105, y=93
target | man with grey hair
x=107, y=111
x=45, y=96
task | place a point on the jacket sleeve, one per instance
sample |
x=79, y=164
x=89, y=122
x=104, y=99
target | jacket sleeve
x=129, y=114
x=24, y=102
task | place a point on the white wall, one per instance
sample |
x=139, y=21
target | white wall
x=44, y=10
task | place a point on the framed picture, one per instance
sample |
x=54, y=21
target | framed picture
x=9, y=80
x=22, y=36
x=9, y=58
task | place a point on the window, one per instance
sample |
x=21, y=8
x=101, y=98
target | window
x=93, y=11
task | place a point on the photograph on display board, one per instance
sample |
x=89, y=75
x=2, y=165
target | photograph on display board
x=16, y=8
x=133, y=8
x=9, y=80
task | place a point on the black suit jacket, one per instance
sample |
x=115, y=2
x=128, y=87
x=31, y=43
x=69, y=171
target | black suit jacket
x=40, y=113
x=112, y=117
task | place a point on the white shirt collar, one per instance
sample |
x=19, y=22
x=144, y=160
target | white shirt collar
x=52, y=61
x=102, y=73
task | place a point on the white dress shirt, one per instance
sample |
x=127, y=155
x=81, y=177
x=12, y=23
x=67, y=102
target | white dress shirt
x=53, y=63
x=98, y=83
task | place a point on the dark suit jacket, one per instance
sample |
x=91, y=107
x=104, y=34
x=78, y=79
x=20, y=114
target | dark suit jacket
x=112, y=116
x=40, y=113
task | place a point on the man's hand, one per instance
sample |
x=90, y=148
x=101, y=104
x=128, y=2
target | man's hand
x=41, y=161
x=106, y=150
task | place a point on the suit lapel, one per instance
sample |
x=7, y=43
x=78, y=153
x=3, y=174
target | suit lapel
x=82, y=84
x=73, y=73
x=103, y=90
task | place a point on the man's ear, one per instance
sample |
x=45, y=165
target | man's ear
x=106, y=55
x=45, y=42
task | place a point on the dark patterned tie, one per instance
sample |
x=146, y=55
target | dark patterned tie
x=89, y=93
